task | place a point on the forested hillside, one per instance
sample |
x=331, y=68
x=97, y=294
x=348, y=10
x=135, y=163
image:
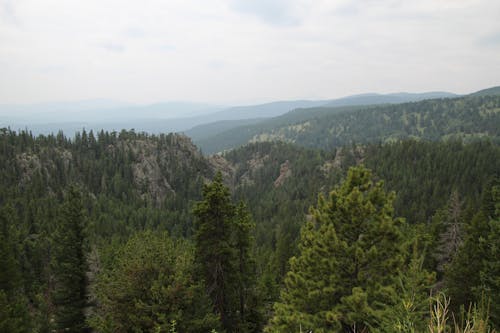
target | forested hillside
x=465, y=118
x=121, y=232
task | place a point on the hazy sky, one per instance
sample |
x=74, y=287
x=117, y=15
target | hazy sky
x=235, y=51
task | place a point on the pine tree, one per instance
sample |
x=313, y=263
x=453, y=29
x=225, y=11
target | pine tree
x=451, y=237
x=13, y=307
x=412, y=307
x=490, y=275
x=350, y=254
x=250, y=318
x=148, y=285
x=69, y=264
x=463, y=276
x=214, y=255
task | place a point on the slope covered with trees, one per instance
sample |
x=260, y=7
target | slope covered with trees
x=466, y=118
x=168, y=246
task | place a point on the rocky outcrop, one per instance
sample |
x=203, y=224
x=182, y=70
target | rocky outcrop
x=149, y=178
x=46, y=162
x=29, y=165
x=285, y=172
x=356, y=154
x=219, y=163
x=252, y=166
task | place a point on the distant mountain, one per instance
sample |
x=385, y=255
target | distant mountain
x=328, y=127
x=50, y=107
x=169, y=116
x=205, y=131
x=395, y=98
x=486, y=92
x=266, y=110
x=98, y=111
x=278, y=108
x=155, y=118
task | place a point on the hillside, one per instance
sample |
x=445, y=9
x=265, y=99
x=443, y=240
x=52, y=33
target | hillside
x=134, y=187
x=394, y=98
x=205, y=131
x=214, y=128
x=438, y=119
x=487, y=92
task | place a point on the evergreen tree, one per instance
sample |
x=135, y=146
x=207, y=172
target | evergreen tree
x=69, y=264
x=414, y=285
x=150, y=283
x=13, y=312
x=451, y=237
x=463, y=276
x=351, y=251
x=214, y=257
x=250, y=318
x=446, y=236
x=490, y=275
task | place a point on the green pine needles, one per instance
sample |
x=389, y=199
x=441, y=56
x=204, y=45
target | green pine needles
x=223, y=258
x=70, y=265
x=351, y=250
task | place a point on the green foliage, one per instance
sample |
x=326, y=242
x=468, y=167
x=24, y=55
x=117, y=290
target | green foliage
x=468, y=118
x=13, y=315
x=473, y=256
x=150, y=286
x=70, y=265
x=351, y=251
x=13, y=306
x=223, y=258
x=424, y=174
x=132, y=182
x=214, y=251
x=410, y=312
x=490, y=274
x=250, y=316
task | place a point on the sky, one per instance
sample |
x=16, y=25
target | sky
x=240, y=52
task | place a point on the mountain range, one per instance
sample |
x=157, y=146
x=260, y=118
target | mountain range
x=185, y=117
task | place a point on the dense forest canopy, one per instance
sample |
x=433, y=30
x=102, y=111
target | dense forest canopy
x=117, y=232
x=467, y=118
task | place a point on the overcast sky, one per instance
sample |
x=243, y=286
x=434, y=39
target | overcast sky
x=236, y=51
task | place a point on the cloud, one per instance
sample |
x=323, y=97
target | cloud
x=51, y=69
x=275, y=12
x=112, y=47
x=166, y=48
x=134, y=32
x=227, y=51
x=490, y=40
x=7, y=12
x=351, y=8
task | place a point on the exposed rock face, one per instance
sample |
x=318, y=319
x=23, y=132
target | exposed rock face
x=219, y=163
x=254, y=164
x=160, y=167
x=356, y=153
x=42, y=163
x=334, y=164
x=29, y=165
x=285, y=172
x=149, y=179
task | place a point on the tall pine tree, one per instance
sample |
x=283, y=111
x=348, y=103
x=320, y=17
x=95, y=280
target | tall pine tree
x=13, y=305
x=214, y=254
x=490, y=274
x=250, y=318
x=351, y=251
x=69, y=264
x=223, y=258
x=462, y=278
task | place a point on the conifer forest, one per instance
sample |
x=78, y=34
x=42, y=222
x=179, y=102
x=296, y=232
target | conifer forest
x=127, y=231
